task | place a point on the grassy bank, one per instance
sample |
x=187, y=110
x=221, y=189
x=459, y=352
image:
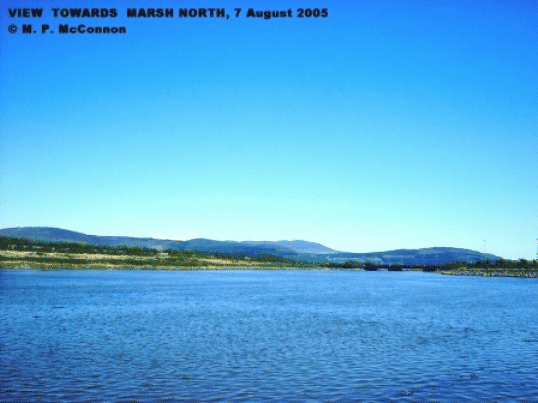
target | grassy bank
x=17, y=253
x=63, y=261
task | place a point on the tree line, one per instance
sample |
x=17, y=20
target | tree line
x=521, y=264
x=26, y=245
x=173, y=256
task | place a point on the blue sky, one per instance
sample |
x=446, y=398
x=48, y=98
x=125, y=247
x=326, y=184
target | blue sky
x=386, y=125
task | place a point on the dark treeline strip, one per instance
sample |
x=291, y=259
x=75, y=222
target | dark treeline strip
x=521, y=264
x=26, y=245
x=369, y=266
x=501, y=264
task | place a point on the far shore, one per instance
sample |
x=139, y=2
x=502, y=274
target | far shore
x=116, y=260
x=22, y=264
x=21, y=253
x=85, y=261
x=109, y=267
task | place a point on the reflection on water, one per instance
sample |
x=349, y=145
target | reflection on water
x=271, y=336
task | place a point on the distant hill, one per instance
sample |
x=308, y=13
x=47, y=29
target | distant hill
x=296, y=246
x=198, y=244
x=418, y=257
x=298, y=250
x=306, y=247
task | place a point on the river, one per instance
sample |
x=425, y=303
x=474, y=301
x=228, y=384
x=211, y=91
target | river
x=273, y=336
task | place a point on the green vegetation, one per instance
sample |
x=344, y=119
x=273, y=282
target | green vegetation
x=23, y=253
x=501, y=267
x=369, y=266
x=21, y=244
x=349, y=264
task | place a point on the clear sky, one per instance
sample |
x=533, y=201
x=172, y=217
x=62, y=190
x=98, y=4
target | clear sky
x=388, y=124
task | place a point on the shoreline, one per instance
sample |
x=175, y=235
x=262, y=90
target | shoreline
x=104, y=260
x=103, y=266
x=493, y=273
x=161, y=261
x=99, y=267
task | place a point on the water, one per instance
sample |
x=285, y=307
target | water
x=124, y=336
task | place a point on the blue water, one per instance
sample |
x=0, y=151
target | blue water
x=124, y=336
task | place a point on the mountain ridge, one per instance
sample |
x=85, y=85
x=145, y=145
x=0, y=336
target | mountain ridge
x=297, y=249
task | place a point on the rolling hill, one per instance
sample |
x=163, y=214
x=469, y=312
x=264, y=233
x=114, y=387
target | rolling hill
x=298, y=249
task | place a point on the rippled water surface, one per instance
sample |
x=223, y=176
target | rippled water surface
x=266, y=336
